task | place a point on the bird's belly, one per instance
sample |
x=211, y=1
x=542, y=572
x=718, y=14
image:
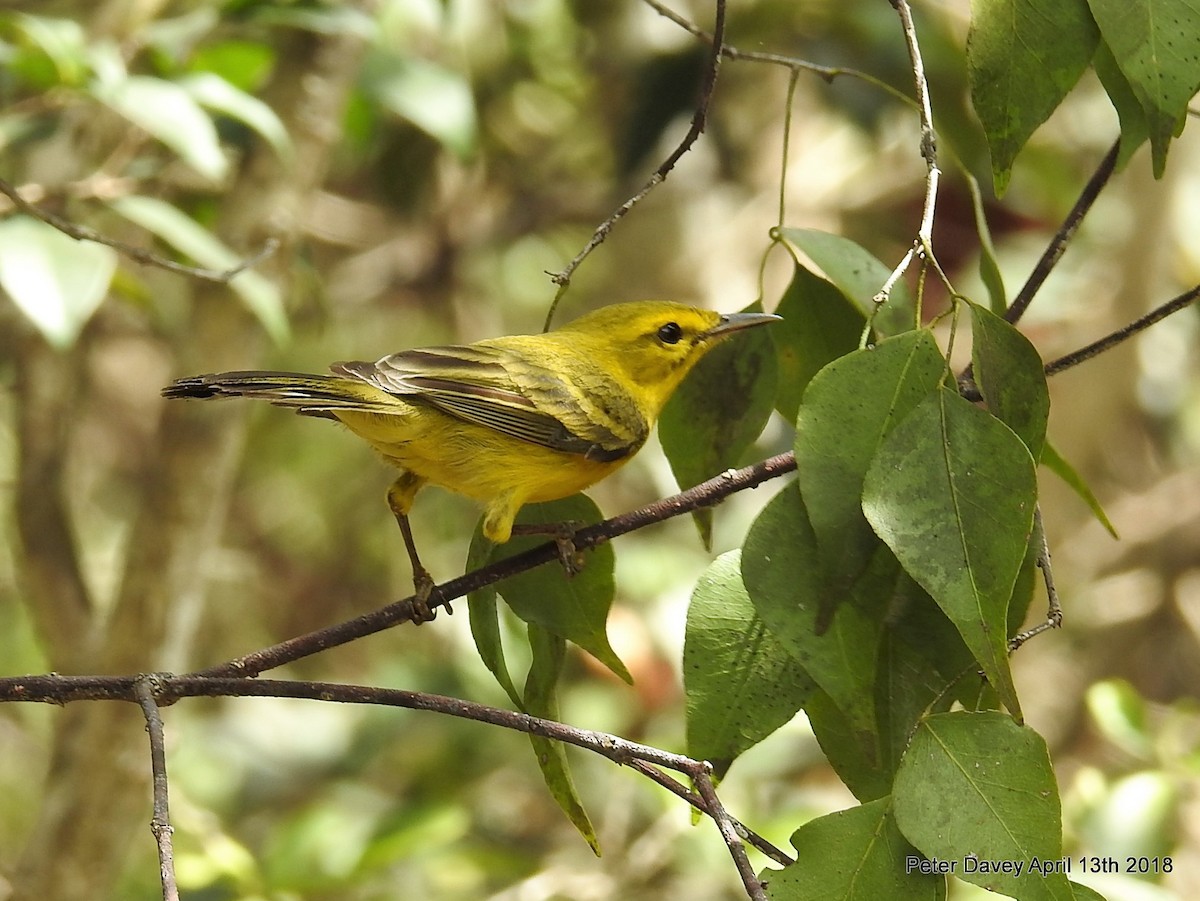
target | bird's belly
x=475, y=461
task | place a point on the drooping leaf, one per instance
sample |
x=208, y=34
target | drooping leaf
x=952, y=493
x=169, y=113
x=1135, y=128
x=858, y=274
x=978, y=787
x=1059, y=465
x=56, y=281
x=780, y=574
x=741, y=685
x=435, y=99
x=541, y=699
x=989, y=266
x=858, y=763
x=848, y=409
x=260, y=295
x=853, y=855
x=1156, y=44
x=719, y=411
x=1023, y=57
x=50, y=51
x=1011, y=377
x=573, y=608
x=819, y=325
x=484, y=615
x=213, y=91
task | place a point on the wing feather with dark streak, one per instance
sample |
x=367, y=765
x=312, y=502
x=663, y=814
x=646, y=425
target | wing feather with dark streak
x=489, y=386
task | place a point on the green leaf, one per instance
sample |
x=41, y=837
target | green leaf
x=848, y=409
x=853, y=855
x=989, y=266
x=780, y=573
x=260, y=295
x=1156, y=44
x=858, y=763
x=168, y=112
x=1023, y=58
x=858, y=274
x=541, y=699
x=572, y=608
x=819, y=325
x=952, y=493
x=719, y=411
x=1058, y=464
x=484, y=615
x=976, y=788
x=216, y=93
x=436, y=100
x=1135, y=128
x=56, y=281
x=741, y=684
x=1011, y=377
x=60, y=57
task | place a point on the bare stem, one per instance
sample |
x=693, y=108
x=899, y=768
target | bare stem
x=1058, y=244
x=137, y=254
x=163, y=688
x=144, y=690
x=699, y=121
x=1054, y=615
x=923, y=246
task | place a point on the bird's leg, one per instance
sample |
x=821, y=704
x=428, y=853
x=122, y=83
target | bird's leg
x=563, y=536
x=400, y=500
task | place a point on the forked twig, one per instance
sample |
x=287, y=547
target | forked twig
x=137, y=254
x=145, y=689
x=923, y=245
x=562, y=278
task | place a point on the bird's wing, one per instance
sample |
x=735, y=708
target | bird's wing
x=493, y=386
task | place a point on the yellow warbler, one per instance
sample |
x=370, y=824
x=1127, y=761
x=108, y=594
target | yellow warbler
x=505, y=421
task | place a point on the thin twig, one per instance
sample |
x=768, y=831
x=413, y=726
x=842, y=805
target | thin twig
x=1054, y=250
x=137, y=254
x=1124, y=334
x=699, y=121
x=164, y=688
x=144, y=690
x=1054, y=615
x=924, y=242
x=676, y=788
x=795, y=63
x=703, y=495
x=704, y=784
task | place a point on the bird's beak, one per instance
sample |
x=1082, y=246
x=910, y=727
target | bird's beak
x=735, y=322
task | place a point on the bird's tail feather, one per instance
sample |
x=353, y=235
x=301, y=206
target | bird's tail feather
x=315, y=395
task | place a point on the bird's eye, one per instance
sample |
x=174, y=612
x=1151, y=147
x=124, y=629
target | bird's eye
x=670, y=333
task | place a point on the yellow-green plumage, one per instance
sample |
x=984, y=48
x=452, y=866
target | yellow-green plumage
x=510, y=420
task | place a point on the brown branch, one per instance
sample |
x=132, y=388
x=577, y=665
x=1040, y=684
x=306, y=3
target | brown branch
x=1109, y=341
x=716, y=810
x=151, y=691
x=923, y=246
x=761, y=844
x=699, y=121
x=137, y=254
x=1058, y=244
x=144, y=690
x=703, y=495
x=795, y=63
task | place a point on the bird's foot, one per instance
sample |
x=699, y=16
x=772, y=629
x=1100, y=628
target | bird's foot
x=424, y=590
x=563, y=536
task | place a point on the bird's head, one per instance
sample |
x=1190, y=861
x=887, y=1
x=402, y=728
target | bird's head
x=652, y=345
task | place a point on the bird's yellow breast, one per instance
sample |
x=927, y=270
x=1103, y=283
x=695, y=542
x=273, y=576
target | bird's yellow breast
x=474, y=461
